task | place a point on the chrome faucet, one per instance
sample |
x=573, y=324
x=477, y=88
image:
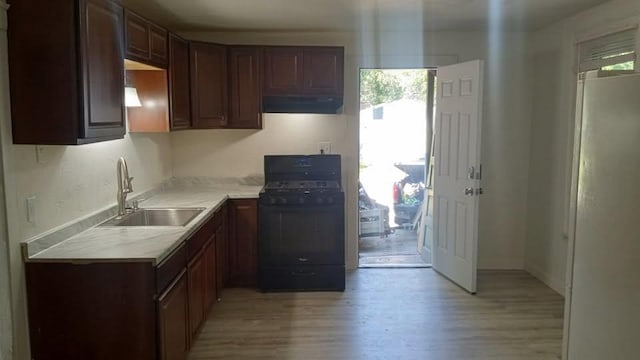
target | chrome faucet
x=124, y=186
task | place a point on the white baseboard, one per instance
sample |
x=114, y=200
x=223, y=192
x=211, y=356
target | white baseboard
x=556, y=284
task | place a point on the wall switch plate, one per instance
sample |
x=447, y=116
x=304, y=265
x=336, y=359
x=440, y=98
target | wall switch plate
x=324, y=147
x=31, y=213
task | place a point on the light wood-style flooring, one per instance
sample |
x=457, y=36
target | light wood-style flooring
x=390, y=314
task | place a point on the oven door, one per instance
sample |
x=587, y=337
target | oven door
x=297, y=235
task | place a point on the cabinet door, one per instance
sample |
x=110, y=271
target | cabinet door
x=323, y=71
x=282, y=71
x=211, y=271
x=136, y=36
x=243, y=242
x=208, y=68
x=196, y=279
x=172, y=321
x=158, y=45
x=179, y=83
x=245, y=96
x=102, y=50
x=222, y=252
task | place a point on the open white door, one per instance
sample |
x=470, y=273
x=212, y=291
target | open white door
x=457, y=172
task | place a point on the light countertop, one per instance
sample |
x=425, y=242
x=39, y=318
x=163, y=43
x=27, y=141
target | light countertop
x=145, y=243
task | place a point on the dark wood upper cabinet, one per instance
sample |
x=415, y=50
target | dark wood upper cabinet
x=323, y=71
x=208, y=68
x=145, y=41
x=179, y=92
x=243, y=242
x=245, y=95
x=303, y=71
x=72, y=92
x=282, y=70
x=158, y=48
x=173, y=329
x=136, y=36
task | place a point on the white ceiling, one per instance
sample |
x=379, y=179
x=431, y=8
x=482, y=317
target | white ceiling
x=357, y=15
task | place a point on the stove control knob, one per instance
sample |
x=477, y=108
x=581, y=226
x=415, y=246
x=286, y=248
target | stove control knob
x=301, y=200
x=319, y=200
x=283, y=200
x=272, y=200
x=330, y=199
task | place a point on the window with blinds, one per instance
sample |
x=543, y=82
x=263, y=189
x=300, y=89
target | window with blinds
x=612, y=52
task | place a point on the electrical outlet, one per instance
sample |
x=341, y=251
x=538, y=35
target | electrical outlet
x=324, y=147
x=31, y=213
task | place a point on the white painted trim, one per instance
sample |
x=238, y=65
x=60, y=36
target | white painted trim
x=618, y=26
x=573, y=209
x=406, y=62
x=556, y=284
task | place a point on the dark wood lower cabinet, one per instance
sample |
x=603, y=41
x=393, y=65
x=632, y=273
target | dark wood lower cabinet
x=243, y=242
x=100, y=311
x=211, y=272
x=196, y=280
x=222, y=246
x=173, y=329
x=136, y=310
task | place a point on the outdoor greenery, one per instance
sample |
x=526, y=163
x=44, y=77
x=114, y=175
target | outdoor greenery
x=630, y=65
x=379, y=86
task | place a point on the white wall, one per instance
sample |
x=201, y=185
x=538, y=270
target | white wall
x=552, y=134
x=506, y=125
x=74, y=181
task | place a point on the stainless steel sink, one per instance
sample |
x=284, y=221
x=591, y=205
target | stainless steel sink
x=156, y=217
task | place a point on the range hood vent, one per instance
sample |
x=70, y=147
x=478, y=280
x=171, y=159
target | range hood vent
x=302, y=104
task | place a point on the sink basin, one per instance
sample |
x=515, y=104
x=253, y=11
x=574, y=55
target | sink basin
x=156, y=217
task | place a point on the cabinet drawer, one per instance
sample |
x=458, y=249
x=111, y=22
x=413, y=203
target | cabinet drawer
x=201, y=236
x=170, y=268
x=301, y=278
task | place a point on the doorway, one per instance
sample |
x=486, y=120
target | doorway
x=396, y=122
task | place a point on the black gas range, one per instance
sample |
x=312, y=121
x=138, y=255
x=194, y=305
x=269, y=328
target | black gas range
x=301, y=224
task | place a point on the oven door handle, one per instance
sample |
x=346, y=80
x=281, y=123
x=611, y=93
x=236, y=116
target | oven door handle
x=303, y=259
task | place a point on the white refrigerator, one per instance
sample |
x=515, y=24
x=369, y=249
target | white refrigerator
x=604, y=311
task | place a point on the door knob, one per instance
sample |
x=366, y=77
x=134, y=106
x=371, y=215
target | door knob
x=469, y=191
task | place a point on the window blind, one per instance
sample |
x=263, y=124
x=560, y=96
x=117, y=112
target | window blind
x=608, y=50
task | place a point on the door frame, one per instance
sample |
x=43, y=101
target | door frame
x=379, y=62
x=431, y=70
x=7, y=337
x=573, y=157
x=370, y=61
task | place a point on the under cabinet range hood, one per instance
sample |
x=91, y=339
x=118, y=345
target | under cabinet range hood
x=302, y=104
